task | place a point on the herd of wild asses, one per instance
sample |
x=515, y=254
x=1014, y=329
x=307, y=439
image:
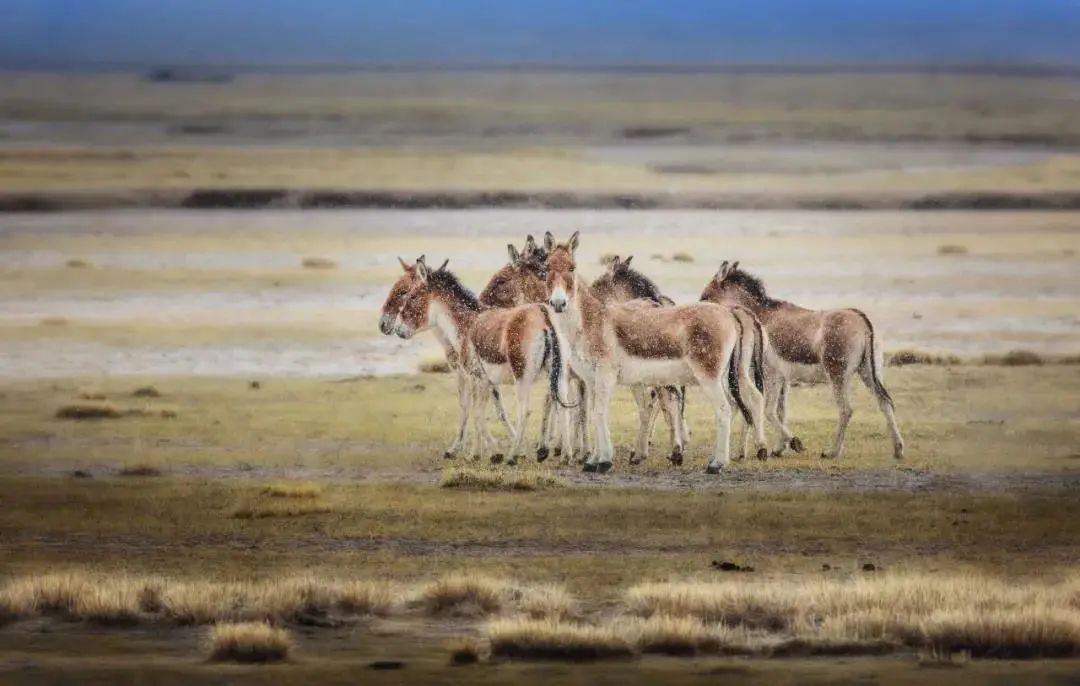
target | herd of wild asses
x=539, y=318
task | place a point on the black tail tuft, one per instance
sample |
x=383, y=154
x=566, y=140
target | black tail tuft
x=758, y=363
x=878, y=385
x=733, y=376
x=551, y=343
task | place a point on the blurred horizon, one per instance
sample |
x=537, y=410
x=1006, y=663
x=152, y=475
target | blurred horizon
x=558, y=34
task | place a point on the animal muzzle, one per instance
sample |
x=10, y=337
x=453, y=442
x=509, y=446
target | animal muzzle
x=403, y=330
x=386, y=324
x=558, y=299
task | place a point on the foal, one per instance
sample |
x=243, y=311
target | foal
x=493, y=344
x=640, y=344
x=841, y=341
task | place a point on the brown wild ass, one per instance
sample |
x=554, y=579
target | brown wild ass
x=841, y=341
x=493, y=345
x=640, y=343
x=622, y=283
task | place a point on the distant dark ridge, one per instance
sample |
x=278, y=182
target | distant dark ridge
x=281, y=198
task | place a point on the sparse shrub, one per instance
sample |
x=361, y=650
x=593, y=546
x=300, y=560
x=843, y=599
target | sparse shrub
x=249, y=642
x=952, y=250
x=89, y=410
x=908, y=356
x=1014, y=358
x=146, y=392
x=318, y=263
x=555, y=639
x=139, y=470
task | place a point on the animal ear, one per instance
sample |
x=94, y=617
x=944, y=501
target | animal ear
x=442, y=267
x=573, y=242
x=722, y=272
x=530, y=245
x=616, y=264
x=626, y=262
x=422, y=270
x=404, y=266
x=549, y=241
x=734, y=266
x=513, y=253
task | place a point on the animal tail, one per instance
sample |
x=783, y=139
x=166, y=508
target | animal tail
x=757, y=358
x=875, y=371
x=733, y=374
x=551, y=342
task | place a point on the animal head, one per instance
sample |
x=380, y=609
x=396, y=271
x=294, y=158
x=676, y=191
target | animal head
x=528, y=270
x=561, y=280
x=733, y=285
x=412, y=314
x=396, y=298
x=613, y=282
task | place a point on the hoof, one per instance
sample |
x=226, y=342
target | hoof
x=588, y=467
x=676, y=457
x=603, y=467
x=541, y=454
x=779, y=452
x=634, y=459
x=898, y=454
x=448, y=455
x=762, y=454
x=712, y=470
x=497, y=458
x=511, y=462
x=796, y=444
x=557, y=452
x=826, y=456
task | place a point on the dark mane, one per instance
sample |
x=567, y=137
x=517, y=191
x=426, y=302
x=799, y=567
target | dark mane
x=752, y=285
x=442, y=279
x=639, y=285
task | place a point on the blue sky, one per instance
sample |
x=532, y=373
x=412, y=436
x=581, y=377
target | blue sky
x=552, y=31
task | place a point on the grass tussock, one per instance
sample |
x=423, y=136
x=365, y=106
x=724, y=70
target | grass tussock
x=379, y=598
x=951, y=249
x=468, y=595
x=547, y=601
x=433, y=362
x=466, y=653
x=249, y=642
x=318, y=263
x=90, y=409
x=53, y=321
x=145, y=470
x=281, y=508
x=77, y=263
x=679, y=636
x=682, y=257
x=483, y=479
x=552, y=639
x=909, y=356
x=1014, y=358
x=146, y=392
x=290, y=489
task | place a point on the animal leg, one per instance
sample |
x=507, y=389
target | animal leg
x=840, y=382
x=886, y=405
x=714, y=389
x=464, y=388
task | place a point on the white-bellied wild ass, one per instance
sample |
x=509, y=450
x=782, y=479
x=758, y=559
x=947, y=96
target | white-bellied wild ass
x=622, y=283
x=639, y=343
x=841, y=341
x=493, y=345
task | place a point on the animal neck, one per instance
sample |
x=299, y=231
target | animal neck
x=584, y=313
x=500, y=290
x=450, y=318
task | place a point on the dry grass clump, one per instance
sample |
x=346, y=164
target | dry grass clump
x=481, y=479
x=950, y=249
x=289, y=489
x=318, y=263
x=469, y=595
x=434, y=362
x=378, y=598
x=249, y=642
x=943, y=660
x=682, y=257
x=547, y=601
x=16, y=602
x=553, y=639
x=1014, y=358
x=89, y=410
x=281, y=508
x=908, y=356
x=1008, y=634
x=139, y=470
x=466, y=653
x=53, y=321
x=146, y=392
x=678, y=636
x=77, y=263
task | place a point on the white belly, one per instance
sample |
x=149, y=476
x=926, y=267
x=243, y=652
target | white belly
x=635, y=371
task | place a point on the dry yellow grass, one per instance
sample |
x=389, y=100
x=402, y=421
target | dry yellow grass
x=555, y=639
x=433, y=362
x=89, y=410
x=547, y=601
x=486, y=479
x=465, y=595
x=681, y=636
x=249, y=642
x=318, y=263
x=288, y=489
x=369, y=597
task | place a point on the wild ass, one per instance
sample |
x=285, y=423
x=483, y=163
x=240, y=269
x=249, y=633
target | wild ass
x=492, y=344
x=841, y=341
x=622, y=283
x=641, y=344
